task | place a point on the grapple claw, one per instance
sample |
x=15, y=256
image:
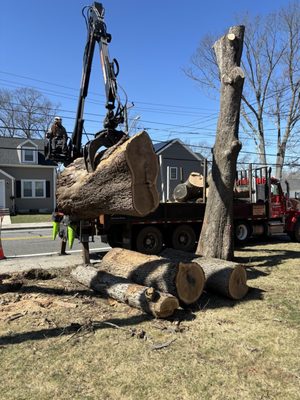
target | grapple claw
x=105, y=138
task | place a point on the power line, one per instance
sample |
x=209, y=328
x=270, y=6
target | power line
x=71, y=88
x=170, y=158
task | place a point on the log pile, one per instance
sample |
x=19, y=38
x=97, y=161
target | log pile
x=185, y=280
x=159, y=284
x=223, y=277
x=191, y=189
x=124, y=182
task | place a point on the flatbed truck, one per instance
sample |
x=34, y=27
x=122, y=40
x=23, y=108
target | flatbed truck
x=260, y=209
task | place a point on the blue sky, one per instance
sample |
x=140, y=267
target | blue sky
x=42, y=45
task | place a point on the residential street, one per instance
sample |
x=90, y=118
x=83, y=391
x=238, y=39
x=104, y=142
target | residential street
x=38, y=242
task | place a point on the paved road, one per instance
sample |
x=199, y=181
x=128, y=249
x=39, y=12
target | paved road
x=38, y=242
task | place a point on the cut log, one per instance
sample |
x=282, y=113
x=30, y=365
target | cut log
x=224, y=277
x=161, y=305
x=191, y=189
x=185, y=280
x=124, y=182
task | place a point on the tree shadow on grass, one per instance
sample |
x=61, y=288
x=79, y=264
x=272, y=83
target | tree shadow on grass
x=212, y=301
x=267, y=261
x=48, y=333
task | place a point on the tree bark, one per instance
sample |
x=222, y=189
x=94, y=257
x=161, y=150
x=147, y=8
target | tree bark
x=191, y=189
x=183, y=280
x=161, y=305
x=223, y=277
x=124, y=182
x=216, y=239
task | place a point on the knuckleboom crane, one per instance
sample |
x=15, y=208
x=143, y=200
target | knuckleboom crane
x=107, y=137
x=116, y=111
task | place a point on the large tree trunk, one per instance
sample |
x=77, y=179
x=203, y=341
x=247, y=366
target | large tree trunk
x=124, y=182
x=183, y=280
x=161, y=305
x=223, y=277
x=216, y=239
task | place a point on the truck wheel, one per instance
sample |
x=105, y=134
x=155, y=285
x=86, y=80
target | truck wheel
x=149, y=240
x=184, y=238
x=241, y=232
x=297, y=232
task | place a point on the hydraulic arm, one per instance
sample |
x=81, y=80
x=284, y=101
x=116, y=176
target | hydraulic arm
x=116, y=112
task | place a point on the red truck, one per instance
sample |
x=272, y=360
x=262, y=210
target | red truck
x=260, y=209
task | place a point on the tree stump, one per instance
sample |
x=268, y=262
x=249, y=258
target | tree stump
x=185, y=280
x=224, y=277
x=216, y=239
x=124, y=182
x=161, y=305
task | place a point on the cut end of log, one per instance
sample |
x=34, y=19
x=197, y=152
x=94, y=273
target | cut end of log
x=190, y=282
x=230, y=36
x=143, y=163
x=165, y=307
x=238, y=283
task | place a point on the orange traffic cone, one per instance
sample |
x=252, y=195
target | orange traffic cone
x=1, y=249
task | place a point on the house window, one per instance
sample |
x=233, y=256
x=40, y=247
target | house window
x=28, y=155
x=297, y=195
x=173, y=173
x=33, y=189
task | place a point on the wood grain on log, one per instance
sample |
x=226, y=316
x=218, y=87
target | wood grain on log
x=124, y=182
x=161, y=305
x=184, y=280
x=224, y=277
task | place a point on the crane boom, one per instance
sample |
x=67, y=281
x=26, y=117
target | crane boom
x=116, y=112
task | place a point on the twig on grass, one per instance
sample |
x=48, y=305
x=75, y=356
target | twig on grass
x=15, y=316
x=159, y=346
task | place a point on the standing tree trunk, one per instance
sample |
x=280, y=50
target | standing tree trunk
x=216, y=239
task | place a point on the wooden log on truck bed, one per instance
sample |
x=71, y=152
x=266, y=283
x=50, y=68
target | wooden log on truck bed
x=185, y=280
x=224, y=277
x=191, y=189
x=161, y=305
x=124, y=182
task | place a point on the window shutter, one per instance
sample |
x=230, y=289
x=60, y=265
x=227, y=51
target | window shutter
x=18, y=189
x=47, y=188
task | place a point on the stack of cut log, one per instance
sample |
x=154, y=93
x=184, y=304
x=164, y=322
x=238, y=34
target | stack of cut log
x=192, y=189
x=160, y=284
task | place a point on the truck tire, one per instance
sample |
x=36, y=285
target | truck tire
x=184, y=238
x=297, y=232
x=149, y=240
x=241, y=232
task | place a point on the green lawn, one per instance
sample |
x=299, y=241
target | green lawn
x=60, y=341
x=19, y=219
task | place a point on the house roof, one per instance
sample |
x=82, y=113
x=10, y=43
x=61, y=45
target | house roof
x=9, y=155
x=161, y=146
